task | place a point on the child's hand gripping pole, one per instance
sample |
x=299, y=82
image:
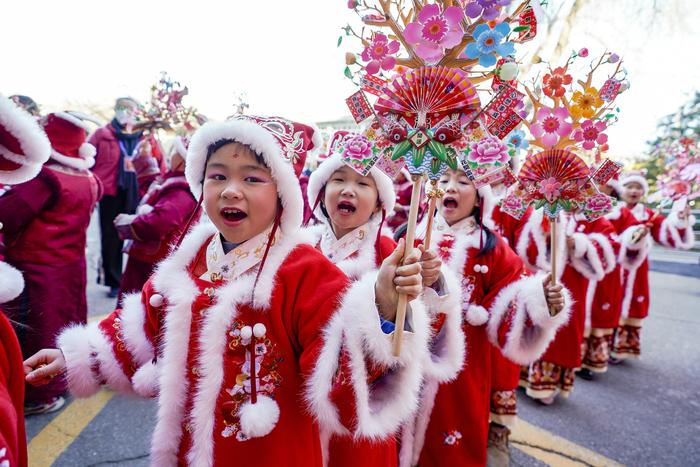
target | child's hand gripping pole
x=553, y=248
x=410, y=238
x=434, y=194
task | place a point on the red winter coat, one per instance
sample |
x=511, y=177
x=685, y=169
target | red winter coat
x=343, y=450
x=670, y=232
x=45, y=225
x=13, y=441
x=588, y=261
x=500, y=306
x=322, y=350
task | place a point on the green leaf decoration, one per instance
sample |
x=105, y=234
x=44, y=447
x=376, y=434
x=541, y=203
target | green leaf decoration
x=347, y=72
x=418, y=156
x=340, y=41
x=451, y=160
x=401, y=149
x=521, y=28
x=438, y=150
x=435, y=165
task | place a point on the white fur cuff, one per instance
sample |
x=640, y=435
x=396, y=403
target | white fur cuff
x=74, y=342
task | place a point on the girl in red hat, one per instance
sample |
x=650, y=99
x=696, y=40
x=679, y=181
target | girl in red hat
x=352, y=209
x=45, y=225
x=253, y=341
x=159, y=220
x=23, y=150
x=674, y=231
x=501, y=305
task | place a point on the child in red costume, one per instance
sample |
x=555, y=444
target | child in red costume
x=502, y=305
x=256, y=341
x=23, y=149
x=158, y=222
x=584, y=255
x=46, y=221
x=352, y=208
x=674, y=231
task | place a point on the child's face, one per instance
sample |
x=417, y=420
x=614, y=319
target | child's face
x=350, y=200
x=632, y=193
x=240, y=195
x=460, y=196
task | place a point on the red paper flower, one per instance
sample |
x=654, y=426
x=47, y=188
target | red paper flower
x=555, y=81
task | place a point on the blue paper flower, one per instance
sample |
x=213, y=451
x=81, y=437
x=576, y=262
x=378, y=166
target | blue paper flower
x=516, y=138
x=488, y=44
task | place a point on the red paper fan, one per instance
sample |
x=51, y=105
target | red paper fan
x=564, y=166
x=429, y=92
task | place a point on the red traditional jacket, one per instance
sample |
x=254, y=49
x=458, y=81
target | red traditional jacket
x=161, y=216
x=322, y=362
x=671, y=232
x=355, y=254
x=13, y=441
x=588, y=261
x=46, y=219
x=500, y=305
x=604, y=297
x=505, y=374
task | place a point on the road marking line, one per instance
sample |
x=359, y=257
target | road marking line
x=60, y=433
x=549, y=458
x=554, y=450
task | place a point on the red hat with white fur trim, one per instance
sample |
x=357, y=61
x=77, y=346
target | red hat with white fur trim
x=283, y=145
x=635, y=177
x=333, y=162
x=67, y=133
x=23, y=145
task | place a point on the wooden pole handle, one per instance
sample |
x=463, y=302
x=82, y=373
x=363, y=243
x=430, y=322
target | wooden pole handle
x=410, y=238
x=553, y=255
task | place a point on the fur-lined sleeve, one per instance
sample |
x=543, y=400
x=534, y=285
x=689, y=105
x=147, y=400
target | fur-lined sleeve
x=675, y=232
x=447, y=342
x=519, y=321
x=117, y=352
x=355, y=385
x=633, y=253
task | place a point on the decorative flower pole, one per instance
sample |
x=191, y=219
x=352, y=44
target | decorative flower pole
x=564, y=119
x=422, y=72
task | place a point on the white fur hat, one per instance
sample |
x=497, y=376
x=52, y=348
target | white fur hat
x=334, y=161
x=283, y=145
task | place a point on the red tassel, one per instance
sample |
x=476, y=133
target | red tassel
x=320, y=196
x=377, y=258
x=191, y=219
x=253, y=382
x=276, y=224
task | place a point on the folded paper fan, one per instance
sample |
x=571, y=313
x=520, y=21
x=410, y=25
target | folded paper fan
x=562, y=165
x=556, y=180
x=429, y=92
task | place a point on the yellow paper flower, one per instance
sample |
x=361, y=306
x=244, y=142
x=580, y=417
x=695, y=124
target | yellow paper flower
x=585, y=103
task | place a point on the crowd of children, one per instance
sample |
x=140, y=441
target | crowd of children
x=252, y=329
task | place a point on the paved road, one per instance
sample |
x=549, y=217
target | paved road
x=645, y=412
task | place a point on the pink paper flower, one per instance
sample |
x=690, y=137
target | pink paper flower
x=550, y=188
x=512, y=203
x=488, y=151
x=357, y=148
x=583, y=53
x=551, y=125
x=434, y=31
x=379, y=54
x=599, y=203
x=591, y=133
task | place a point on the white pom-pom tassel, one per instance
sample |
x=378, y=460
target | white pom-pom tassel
x=145, y=380
x=87, y=151
x=144, y=209
x=156, y=300
x=259, y=419
x=477, y=315
x=259, y=330
x=11, y=282
x=246, y=332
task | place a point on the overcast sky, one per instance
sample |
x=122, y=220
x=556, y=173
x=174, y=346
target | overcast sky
x=283, y=55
